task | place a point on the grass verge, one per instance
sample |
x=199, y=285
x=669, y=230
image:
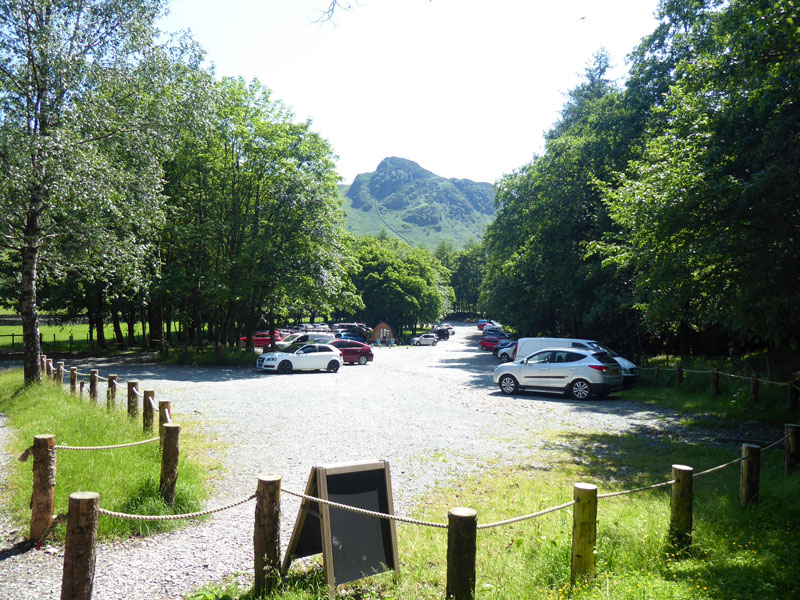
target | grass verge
x=127, y=479
x=736, y=552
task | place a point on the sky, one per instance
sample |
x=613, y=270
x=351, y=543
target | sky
x=465, y=88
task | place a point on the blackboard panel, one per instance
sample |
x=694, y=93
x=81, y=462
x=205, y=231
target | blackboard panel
x=361, y=545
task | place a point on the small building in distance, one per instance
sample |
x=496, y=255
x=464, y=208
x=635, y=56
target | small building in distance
x=382, y=334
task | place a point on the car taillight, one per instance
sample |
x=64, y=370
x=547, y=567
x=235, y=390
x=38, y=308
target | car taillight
x=602, y=368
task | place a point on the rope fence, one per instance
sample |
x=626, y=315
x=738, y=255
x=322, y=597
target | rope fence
x=584, y=513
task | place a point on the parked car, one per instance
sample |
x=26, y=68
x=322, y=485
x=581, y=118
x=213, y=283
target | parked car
x=261, y=339
x=353, y=352
x=489, y=341
x=309, y=357
x=303, y=338
x=483, y=323
x=442, y=332
x=495, y=330
x=575, y=371
x=526, y=346
x=506, y=353
x=450, y=329
x=426, y=339
x=502, y=343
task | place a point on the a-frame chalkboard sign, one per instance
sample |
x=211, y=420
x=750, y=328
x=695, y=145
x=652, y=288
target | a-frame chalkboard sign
x=352, y=545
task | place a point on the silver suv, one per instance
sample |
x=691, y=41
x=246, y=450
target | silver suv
x=579, y=373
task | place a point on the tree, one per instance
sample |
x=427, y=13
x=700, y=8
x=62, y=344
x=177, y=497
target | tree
x=80, y=122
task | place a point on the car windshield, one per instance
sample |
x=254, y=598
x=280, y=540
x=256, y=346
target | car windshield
x=290, y=338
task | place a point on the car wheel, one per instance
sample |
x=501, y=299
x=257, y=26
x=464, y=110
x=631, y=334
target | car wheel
x=417, y=344
x=508, y=385
x=580, y=389
x=435, y=342
x=362, y=360
x=333, y=366
x=505, y=358
x=284, y=367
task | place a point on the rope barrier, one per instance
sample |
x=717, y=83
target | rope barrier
x=775, y=443
x=700, y=372
x=369, y=513
x=140, y=443
x=526, y=517
x=641, y=489
x=137, y=392
x=718, y=467
x=169, y=417
x=193, y=515
x=48, y=532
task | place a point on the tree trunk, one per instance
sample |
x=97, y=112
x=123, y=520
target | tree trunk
x=101, y=333
x=117, y=328
x=30, y=318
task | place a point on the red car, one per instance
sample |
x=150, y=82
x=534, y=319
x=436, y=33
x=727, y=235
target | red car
x=261, y=338
x=488, y=342
x=353, y=351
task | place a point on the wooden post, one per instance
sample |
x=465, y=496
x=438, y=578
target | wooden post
x=59, y=375
x=753, y=390
x=267, y=534
x=147, y=411
x=133, y=400
x=164, y=409
x=93, y=378
x=111, y=399
x=794, y=393
x=43, y=363
x=73, y=379
x=749, y=474
x=584, y=530
x=715, y=383
x=81, y=386
x=680, y=504
x=44, y=484
x=679, y=376
x=170, y=455
x=49, y=371
x=791, y=448
x=80, y=547
x=462, y=530
x=655, y=375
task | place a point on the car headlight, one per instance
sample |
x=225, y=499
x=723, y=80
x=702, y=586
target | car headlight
x=270, y=358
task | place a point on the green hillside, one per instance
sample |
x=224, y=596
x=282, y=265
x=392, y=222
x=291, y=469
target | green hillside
x=416, y=205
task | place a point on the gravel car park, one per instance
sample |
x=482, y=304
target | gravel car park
x=406, y=407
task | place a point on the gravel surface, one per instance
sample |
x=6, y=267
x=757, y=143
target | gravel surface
x=432, y=412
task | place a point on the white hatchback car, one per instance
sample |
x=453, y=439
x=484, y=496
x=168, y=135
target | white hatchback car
x=426, y=339
x=310, y=357
x=578, y=372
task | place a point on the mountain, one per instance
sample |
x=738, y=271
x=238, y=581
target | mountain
x=417, y=206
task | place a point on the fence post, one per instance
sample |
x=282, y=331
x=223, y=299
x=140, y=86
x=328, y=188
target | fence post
x=679, y=376
x=147, y=411
x=49, y=368
x=133, y=400
x=794, y=393
x=655, y=375
x=462, y=530
x=73, y=379
x=59, y=376
x=111, y=397
x=170, y=455
x=680, y=504
x=43, y=363
x=749, y=474
x=584, y=530
x=44, y=484
x=753, y=389
x=164, y=416
x=267, y=534
x=715, y=383
x=791, y=448
x=77, y=579
x=93, y=378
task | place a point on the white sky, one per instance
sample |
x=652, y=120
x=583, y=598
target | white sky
x=465, y=88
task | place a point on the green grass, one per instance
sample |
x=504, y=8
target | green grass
x=56, y=337
x=126, y=479
x=694, y=396
x=736, y=552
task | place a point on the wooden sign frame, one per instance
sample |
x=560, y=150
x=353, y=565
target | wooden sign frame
x=353, y=545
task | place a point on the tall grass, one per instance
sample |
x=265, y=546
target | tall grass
x=127, y=479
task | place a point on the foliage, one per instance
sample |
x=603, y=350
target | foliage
x=710, y=214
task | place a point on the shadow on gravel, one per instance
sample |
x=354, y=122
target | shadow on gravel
x=16, y=549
